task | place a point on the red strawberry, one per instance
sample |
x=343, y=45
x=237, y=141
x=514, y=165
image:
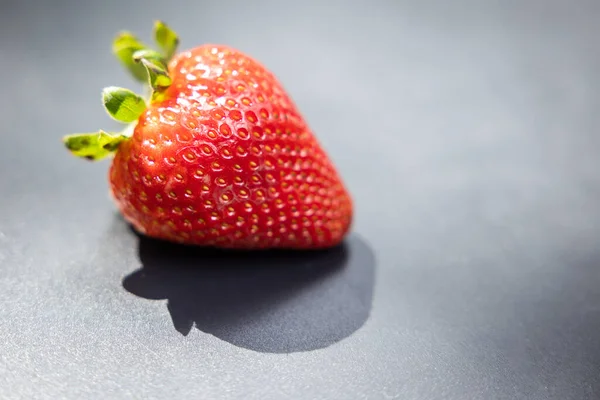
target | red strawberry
x=219, y=156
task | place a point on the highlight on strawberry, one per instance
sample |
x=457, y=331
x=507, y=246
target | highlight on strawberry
x=217, y=154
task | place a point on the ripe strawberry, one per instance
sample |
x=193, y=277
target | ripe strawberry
x=219, y=156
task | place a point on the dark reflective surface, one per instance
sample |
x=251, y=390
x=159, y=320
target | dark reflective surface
x=268, y=301
x=467, y=132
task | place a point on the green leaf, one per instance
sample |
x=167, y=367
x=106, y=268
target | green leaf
x=166, y=39
x=122, y=104
x=124, y=45
x=157, y=70
x=93, y=146
x=150, y=55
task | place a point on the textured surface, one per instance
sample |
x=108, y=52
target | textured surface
x=226, y=159
x=476, y=259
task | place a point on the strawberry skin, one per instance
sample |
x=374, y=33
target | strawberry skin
x=224, y=158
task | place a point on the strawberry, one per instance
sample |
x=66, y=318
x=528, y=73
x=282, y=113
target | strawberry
x=218, y=155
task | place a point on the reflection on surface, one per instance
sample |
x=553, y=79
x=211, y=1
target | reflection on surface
x=274, y=301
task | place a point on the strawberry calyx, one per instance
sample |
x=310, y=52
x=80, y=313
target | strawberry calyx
x=123, y=105
x=94, y=146
x=156, y=67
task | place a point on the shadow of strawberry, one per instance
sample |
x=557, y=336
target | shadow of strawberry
x=267, y=301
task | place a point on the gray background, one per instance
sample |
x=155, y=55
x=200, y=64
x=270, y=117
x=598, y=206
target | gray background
x=467, y=132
